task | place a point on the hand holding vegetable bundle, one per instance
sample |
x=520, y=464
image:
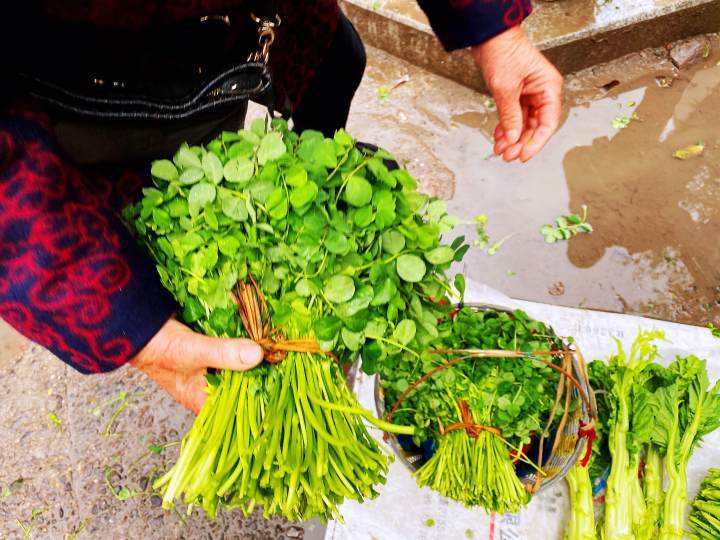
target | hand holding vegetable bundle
x=177, y=359
x=346, y=253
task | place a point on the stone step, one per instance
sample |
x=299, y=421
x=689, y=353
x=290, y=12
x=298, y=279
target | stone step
x=574, y=34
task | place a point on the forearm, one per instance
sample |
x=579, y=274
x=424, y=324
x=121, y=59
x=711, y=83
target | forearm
x=465, y=23
x=71, y=277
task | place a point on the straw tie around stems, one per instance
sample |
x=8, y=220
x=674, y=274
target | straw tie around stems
x=468, y=424
x=255, y=317
x=564, y=390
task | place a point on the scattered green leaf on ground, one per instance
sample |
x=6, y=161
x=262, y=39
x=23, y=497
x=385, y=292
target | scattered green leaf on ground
x=385, y=91
x=492, y=250
x=566, y=227
x=54, y=419
x=469, y=533
x=688, y=152
x=120, y=396
x=510, y=273
x=26, y=529
x=490, y=104
x=11, y=488
x=483, y=239
x=121, y=493
x=429, y=522
x=125, y=401
x=37, y=511
x=714, y=330
x=72, y=535
x=155, y=448
x=621, y=122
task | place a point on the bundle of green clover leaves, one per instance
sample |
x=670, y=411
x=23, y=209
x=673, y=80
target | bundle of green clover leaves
x=345, y=251
x=513, y=397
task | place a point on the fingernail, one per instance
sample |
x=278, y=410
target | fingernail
x=513, y=136
x=251, y=353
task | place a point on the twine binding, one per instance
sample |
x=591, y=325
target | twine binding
x=565, y=386
x=255, y=317
x=468, y=424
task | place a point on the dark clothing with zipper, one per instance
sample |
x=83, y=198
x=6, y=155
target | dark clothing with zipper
x=71, y=277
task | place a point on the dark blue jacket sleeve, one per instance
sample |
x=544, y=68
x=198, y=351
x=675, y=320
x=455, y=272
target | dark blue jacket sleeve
x=464, y=23
x=72, y=278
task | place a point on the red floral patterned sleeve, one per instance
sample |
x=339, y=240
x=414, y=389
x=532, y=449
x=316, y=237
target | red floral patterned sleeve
x=71, y=276
x=464, y=23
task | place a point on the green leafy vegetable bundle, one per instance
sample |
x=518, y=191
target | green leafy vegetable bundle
x=684, y=412
x=582, y=517
x=648, y=413
x=480, y=412
x=629, y=430
x=346, y=252
x=705, y=514
x=580, y=479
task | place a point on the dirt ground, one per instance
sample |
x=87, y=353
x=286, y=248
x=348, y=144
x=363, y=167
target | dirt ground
x=68, y=442
x=74, y=451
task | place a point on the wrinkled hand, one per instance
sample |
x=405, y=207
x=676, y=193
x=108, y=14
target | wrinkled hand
x=527, y=90
x=177, y=359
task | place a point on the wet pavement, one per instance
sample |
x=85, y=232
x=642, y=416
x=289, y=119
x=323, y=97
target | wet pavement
x=654, y=250
x=71, y=447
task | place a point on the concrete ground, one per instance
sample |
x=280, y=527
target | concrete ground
x=68, y=441
x=655, y=216
x=71, y=447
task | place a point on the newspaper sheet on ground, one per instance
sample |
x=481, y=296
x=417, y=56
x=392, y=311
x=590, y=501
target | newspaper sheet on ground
x=403, y=511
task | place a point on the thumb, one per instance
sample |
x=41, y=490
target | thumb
x=223, y=353
x=510, y=113
x=183, y=345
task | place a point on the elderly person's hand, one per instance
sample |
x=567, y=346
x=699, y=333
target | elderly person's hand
x=177, y=359
x=527, y=90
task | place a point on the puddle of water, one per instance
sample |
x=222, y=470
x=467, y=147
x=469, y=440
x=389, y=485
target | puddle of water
x=657, y=219
x=645, y=200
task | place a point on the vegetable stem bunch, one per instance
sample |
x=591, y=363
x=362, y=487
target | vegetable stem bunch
x=286, y=442
x=646, y=413
x=512, y=399
x=476, y=471
x=582, y=517
x=346, y=253
x=705, y=513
